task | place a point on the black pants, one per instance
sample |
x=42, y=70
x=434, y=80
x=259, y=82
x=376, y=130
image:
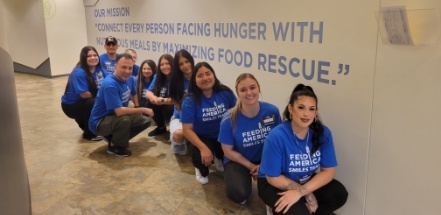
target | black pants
x=216, y=150
x=329, y=197
x=80, y=111
x=238, y=182
x=162, y=114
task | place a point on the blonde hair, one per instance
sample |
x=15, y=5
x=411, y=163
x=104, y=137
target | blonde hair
x=234, y=112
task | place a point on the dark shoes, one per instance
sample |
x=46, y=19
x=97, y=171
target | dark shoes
x=118, y=151
x=157, y=131
x=93, y=138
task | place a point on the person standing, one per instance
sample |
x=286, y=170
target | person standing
x=202, y=111
x=242, y=134
x=111, y=117
x=81, y=89
x=298, y=161
x=108, y=59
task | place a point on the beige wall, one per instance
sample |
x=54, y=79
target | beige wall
x=38, y=30
x=25, y=32
x=404, y=160
x=383, y=113
x=69, y=17
x=3, y=42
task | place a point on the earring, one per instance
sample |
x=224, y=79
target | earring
x=315, y=119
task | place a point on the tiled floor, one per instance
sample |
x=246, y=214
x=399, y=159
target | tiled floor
x=69, y=175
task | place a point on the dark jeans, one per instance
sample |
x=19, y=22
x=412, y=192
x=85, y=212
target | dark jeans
x=80, y=111
x=216, y=150
x=162, y=114
x=122, y=128
x=329, y=197
x=238, y=182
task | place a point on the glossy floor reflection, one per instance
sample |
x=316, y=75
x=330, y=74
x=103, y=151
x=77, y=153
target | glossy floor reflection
x=69, y=175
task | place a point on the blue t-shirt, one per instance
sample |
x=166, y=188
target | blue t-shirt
x=249, y=134
x=112, y=94
x=164, y=90
x=144, y=101
x=207, y=115
x=285, y=154
x=106, y=63
x=78, y=84
x=175, y=110
x=135, y=70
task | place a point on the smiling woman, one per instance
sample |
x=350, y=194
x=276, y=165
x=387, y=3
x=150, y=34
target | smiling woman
x=81, y=89
x=242, y=134
x=202, y=110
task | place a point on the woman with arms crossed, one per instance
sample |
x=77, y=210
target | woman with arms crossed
x=298, y=161
x=242, y=135
x=202, y=110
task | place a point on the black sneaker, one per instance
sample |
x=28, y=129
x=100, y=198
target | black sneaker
x=93, y=138
x=118, y=151
x=157, y=131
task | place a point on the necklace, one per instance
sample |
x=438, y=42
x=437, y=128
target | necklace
x=306, y=143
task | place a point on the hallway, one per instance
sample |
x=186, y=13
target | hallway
x=70, y=175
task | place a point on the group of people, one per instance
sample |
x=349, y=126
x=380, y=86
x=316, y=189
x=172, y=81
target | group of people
x=293, y=160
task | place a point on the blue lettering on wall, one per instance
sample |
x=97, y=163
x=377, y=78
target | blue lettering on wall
x=99, y=13
x=296, y=31
x=237, y=57
x=160, y=28
x=243, y=30
x=193, y=29
x=118, y=11
x=308, y=69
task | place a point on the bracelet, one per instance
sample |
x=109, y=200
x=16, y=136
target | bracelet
x=162, y=101
x=136, y=106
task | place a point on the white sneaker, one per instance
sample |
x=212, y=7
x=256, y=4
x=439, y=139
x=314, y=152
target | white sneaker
x=219, y=165
x=269, y=211
x=201, y=179
x=179, y=149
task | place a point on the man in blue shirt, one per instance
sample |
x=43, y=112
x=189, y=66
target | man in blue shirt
x=108, y=59
x=111, y=117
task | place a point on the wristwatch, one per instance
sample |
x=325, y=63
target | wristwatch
x=162, y=101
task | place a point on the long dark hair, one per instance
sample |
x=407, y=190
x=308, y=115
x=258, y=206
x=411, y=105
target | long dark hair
x=195, y=91
x=141, y=78
x=177, y=89
x=316, y=125
x=93, y=89
x=160, y=77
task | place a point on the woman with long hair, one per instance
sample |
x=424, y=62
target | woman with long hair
x=180, y=80
x=202, y=111
x=144, y=80
x=298, y=161
x=158, y=95
x=242, y=134
x=81, y=89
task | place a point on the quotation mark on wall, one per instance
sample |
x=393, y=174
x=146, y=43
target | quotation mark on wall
x=342, y=69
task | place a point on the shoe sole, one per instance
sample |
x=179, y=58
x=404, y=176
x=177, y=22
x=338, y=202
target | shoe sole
x=113, y=153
